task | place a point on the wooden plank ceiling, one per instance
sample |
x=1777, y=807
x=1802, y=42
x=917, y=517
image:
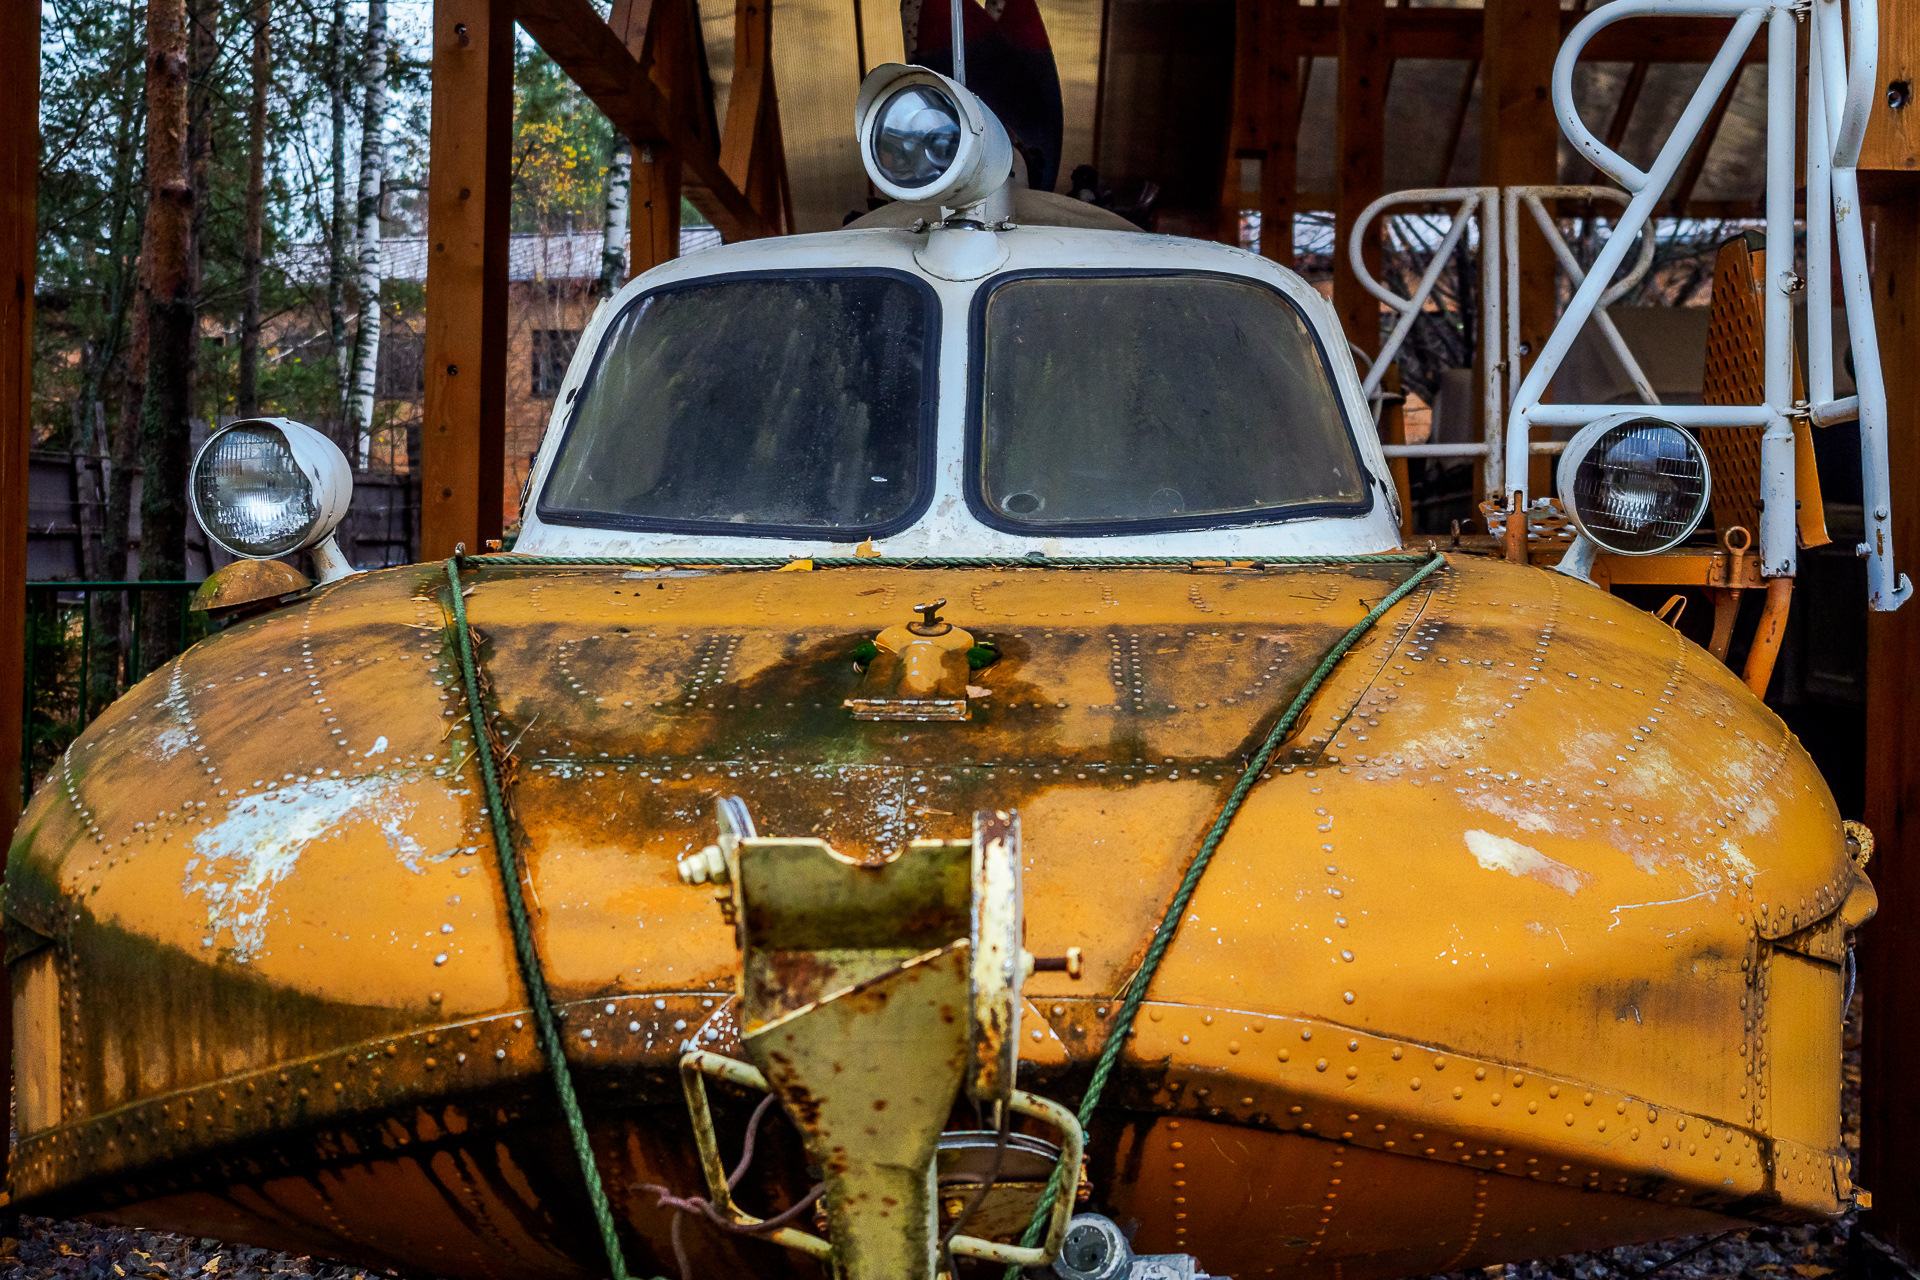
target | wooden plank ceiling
x=1164, y=115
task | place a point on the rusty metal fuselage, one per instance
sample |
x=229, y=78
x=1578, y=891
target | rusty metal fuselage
x=1528, y=942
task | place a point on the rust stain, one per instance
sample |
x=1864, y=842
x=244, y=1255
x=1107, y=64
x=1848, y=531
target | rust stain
x=1500, y=701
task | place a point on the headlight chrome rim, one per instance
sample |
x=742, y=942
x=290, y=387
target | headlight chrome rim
x=305, y=458
x=982, y=158
x=1634, y=484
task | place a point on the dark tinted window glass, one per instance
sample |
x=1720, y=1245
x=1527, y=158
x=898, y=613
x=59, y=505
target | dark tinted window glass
x=1155, y=399
x=769, y=403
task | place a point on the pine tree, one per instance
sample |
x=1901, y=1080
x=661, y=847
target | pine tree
x=166, y=255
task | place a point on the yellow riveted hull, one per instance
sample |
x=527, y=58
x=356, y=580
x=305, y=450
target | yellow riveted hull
x=1530, y=940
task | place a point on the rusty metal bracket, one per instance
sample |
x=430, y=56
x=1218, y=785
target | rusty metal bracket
x=697, y=1064
x=998, y=963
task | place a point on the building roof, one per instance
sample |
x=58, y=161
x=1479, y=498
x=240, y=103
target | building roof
x=571, y=255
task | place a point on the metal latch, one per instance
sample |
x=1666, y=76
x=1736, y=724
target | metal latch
x=851, y=975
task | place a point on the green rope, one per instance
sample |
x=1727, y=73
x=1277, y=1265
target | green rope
x=507, y=560
x=529, y=959
x=530, y=971
x=1170, y=922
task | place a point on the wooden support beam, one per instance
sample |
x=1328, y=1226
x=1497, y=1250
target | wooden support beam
x=1893, y=132
x=1702, y=148
x=1461, y=107
x=595, y=58
x=1360, y=154
x=1519, y=139
x=463, y=436
x=1709, y=210
x=655, y=33
x=1890, y=946
x=751, y=149
x=649, y=243
x=1623, y=109
x=1519, y=146
x=751, y=92
x=653, y=208
x=1457, y=34
x=19, y=169
x=1275, y=95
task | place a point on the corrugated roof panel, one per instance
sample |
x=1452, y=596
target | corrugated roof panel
x=1737, y=165
x=1423, y=101
x=1318, y=128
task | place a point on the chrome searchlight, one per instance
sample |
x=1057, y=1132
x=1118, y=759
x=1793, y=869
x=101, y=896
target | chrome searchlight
x=267, y=487
x=924, y=138
x=1634, y=485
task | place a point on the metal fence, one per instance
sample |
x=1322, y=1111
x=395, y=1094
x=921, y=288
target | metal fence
x=84, y=649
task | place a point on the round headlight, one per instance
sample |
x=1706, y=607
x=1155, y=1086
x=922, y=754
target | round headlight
x=264, y=487
x=916, y=135
x=1635, y=485
x=926, y=139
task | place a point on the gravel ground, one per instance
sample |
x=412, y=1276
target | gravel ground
x=48, y=1250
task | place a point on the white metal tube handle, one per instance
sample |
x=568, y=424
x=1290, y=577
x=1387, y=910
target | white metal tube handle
x=1408, y=308
x=1642, y=385
x=1603, y=157
x=1422, y=195
x=1647, y=187
x=1849, y=96
x=1641, y=265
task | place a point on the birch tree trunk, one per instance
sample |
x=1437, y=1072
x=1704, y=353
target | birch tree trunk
x=366, y=346
x=337, y=225
x=613, y=249
x=166, y=250
x=247, y=396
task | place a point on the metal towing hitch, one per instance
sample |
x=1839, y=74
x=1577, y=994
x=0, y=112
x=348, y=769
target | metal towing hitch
x=869, y=995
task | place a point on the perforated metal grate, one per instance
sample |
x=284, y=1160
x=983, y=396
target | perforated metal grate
x=1736, y=374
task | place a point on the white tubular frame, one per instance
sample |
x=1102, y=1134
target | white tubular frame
x=1483, y=202
x=1500, y=314
x=1533, y=198
x=1843, y=87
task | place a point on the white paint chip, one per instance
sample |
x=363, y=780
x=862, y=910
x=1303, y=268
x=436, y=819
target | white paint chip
x=1498, y=853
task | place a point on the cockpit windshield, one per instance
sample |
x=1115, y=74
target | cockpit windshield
x=1113, y=401
x=757, y=404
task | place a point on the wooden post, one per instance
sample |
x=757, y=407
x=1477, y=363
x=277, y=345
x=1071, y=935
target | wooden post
x=652, y=32
x=1266, y=121
x=19, y=165
x=1519, y=140
x=1360, y=153
x=655, y=210
x=1893, y=132
x=463, y=437
x=1890, y=946
x=1519, y=146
